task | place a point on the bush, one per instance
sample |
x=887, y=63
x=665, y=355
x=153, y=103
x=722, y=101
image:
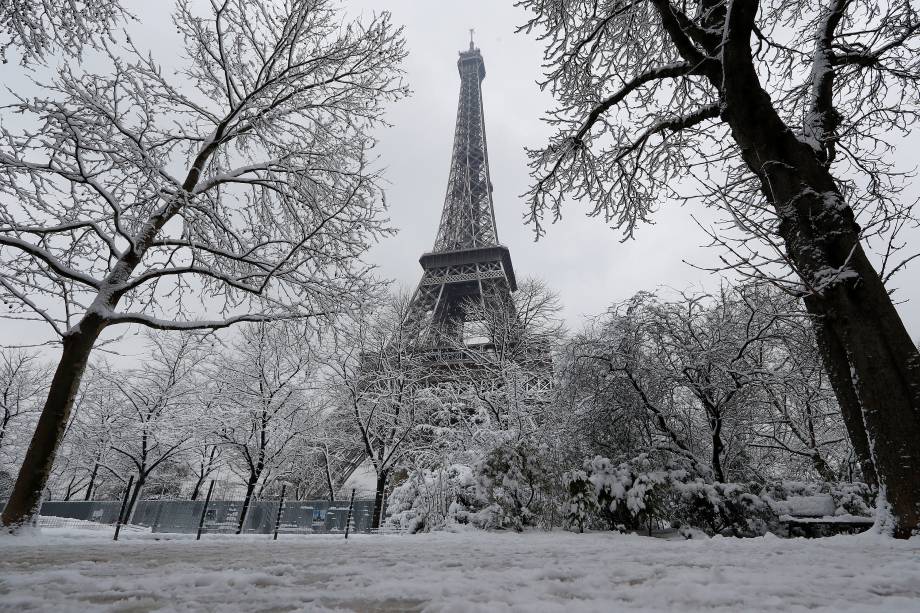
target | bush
x=633, y=494
x=518, y=485
x=643, y=492
x=511, y=487
x=729, y=509
x=435, y=499
x=581, y=508
x=849, y=498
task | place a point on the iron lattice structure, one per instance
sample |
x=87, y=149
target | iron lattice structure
x=467, y=262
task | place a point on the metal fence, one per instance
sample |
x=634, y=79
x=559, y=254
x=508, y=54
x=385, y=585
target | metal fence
x=221, y=516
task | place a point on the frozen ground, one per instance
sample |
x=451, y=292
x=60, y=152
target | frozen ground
x=63, y=570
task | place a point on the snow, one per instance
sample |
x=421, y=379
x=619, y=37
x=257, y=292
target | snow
x=51, y=521
x=829, y=519
x=74, y=570
x=806, y=506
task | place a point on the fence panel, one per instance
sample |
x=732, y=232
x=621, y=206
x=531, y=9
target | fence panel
x=183, y=516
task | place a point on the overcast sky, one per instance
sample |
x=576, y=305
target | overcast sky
x=580, y=257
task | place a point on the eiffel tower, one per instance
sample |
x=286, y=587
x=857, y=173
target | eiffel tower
x=467, y=262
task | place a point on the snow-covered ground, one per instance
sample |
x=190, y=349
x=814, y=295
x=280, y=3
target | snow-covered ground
x=71, y=570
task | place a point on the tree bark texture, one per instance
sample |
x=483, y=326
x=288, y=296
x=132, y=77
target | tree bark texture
x=247, y=502
x=25, y=499
x=837, y=365
x=135, y=496
x=92, y=482
x=379, y=499
x=197, y=489
x=852, y=310
x=717, y=448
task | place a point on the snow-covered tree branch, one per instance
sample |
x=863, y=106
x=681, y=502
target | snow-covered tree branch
x=248, y=194
x=778, y=113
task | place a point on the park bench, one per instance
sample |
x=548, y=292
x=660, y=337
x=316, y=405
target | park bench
x=814, y=516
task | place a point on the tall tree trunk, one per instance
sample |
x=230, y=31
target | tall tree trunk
x=329, y=481
x=848, y=299
x=837, y=365
x=3, y=426
x=379, y=498
x=92, y=482
x=135, y=496
x=717, y=448
x=25, y=499
x=197, y=488
x=885, y=373
x=247, y=501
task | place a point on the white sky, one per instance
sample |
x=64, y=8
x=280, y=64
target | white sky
x=580, y=258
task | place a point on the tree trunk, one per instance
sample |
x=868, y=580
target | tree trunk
x=715, y=422
x=847, y=297
x=837, y=366
x=196, y=489
x=135, y=495
x=92, y=482
x=70, y=490
x=822, y=467
x=25, y=499
x=885, y=373
x=250, y=488
x=3, y=426
x=329, y=482
x=856, y=321
x=379, y=498
x=205, y=471
x=717, y=471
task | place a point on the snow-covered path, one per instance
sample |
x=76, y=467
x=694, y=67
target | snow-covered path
x=470, y=571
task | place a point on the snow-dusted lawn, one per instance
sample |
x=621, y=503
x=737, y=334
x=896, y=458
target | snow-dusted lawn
x=470, y=571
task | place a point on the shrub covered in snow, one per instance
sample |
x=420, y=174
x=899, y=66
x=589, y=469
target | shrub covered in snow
x=624, y=496
x=514, y=486
x=581, y=507
x=511, y=487
x=519, y=487
x=435, y=499
x=729, y=509
x=633, y=494
x=849, y=498
x=644, y=492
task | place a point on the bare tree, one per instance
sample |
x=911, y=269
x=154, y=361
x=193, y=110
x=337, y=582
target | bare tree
x=318, y=466
x=263, y=402
x=22, y=386
x=800, y=423
x=269, y=218
x=157, y=416
x=41, y=27
x=638, y=361
x=382, y=383
x=86, y=458
x=205, y=458
x=727, y=382
x=781, y=109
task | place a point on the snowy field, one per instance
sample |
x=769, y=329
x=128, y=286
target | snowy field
x=70, y=570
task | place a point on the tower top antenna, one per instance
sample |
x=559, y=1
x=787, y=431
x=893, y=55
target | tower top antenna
x=472, y=31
